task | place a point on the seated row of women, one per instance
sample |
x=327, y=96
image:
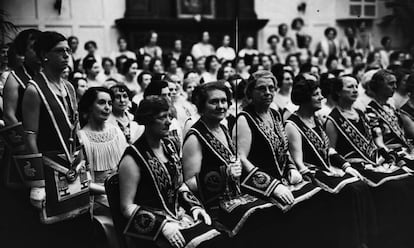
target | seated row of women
x=269, y=184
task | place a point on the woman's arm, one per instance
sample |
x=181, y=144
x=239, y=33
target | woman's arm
x=11, y=95
x=31, y=112
x=295, y=146
x=192, y=157
x=129, y=177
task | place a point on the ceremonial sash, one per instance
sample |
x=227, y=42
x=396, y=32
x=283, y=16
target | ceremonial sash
x=362, y=143
x=391, y=121
x=328, y=178
x=166, y=185
x=21, y=75
x=235, y=207
x=66, y=175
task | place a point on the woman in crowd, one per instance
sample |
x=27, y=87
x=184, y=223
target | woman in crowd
x=50, y=120
x=293, y=62
x=92, y=70
x=210, y=168
x=152, y=167
x=350, y=135
x=156, y=66
x=212, y=66
x=103, y=142
x=282, y=98
x=130, y=72
x=270, y=173
x=81, y=85
x=288, y=47
x=151, y=46
x=121, y=117
x=143, y=79
x=186, y=63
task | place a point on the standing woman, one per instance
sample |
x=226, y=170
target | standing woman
x=152, y=192
x=50, y=121
x=211, y=169
x=269, y=171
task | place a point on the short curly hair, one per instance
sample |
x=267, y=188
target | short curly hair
x=302, y=91
x=200, y=94
x=149, y=108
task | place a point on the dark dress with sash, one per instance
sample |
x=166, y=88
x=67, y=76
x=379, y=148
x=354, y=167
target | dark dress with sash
x=388, y=120
x=269, y=153
x=356, y=204
x=245, y=216
x=65, y=173
x=159, y=198
x=393, y=187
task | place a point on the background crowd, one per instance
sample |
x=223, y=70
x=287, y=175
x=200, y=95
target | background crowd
x=109, y=96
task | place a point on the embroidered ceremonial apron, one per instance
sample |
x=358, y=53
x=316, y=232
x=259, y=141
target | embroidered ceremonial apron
x=158, y=190
x=393, y=135
x=269, y=152
x=219, y=194
x=13, y=135
x=355, y=143
x=65, y=172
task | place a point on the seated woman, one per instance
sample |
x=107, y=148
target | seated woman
x=270, y=173
x=350, y=135
x=309, y=146
x=211, y=169
x=152, y=193
x=120, y=115
x=384, y=120
x=103, y=142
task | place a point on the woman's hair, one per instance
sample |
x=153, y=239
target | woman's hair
x=280, y=75
x=149, y=35
x=46, y=41
x=22, y=39
x=149, y=108
x=87, y=101
x=208, y=61
x=141, y=75
x=271, y=37
x=199, y=97
x=88, y=62
x=285, y=40
x=302, y=91
x=328, y=29
x=121, y=88
x=182, y=59
x=155, y=87
x=152, y=63
x=92, y=43
x=297, y=21
x=251, y=83
x=290, y=56
x=75, y=82
x=128, y=63
x=106, y=59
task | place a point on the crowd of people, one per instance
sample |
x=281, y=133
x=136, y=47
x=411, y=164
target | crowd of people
x=212, y=147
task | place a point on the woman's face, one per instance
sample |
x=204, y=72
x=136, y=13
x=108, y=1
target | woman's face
x=240, y=65
x=146, y=61
x=101, y=107
x=267, y=63
x=160, y=127
x=249, y=42
x=263, y=92
x=228, y=71
x=316, y=99
x=146, y=79
x=165, y=92
x=121, y=100
x=158, y=67
x=173, y=91
x=214, y=64
x=178, y=45
x=200, y=65
x=293, y=62
x=189, y=90
x=189, y=63
x=154, y=38
x=255, y=60
x=94, y=71
x=349, y=92
x=133, y=70
x=82, y=87
x=58, y=56
x=333, y=65
x=287, y=80
x=216, y=105
x=107, y=66
x=173, y=65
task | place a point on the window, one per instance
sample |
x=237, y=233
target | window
x=355, y=9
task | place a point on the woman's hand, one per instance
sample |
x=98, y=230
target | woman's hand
x=234, y=170
x=199, y=213
x=353, y=172
x=171, y=232
x=283, y=193
x=294, y=176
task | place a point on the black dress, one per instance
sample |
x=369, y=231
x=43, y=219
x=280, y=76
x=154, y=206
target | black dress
x=310, y=221
x=392, y=189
